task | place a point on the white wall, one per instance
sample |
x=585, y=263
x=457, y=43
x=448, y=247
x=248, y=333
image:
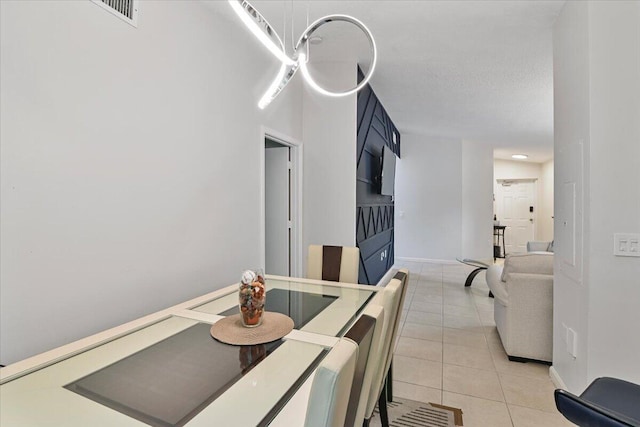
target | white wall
x=329, y=200
x=571, y=141
x=614, y=291
x=428, y=199
x=542, y=174
x=130, y=162
x=597, y=111
x=508, y=169
x=477, y=201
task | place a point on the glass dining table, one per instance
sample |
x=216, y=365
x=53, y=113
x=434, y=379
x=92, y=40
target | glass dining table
x=166, y=370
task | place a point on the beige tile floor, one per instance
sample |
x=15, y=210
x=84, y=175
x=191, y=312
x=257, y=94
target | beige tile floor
x=449, y=352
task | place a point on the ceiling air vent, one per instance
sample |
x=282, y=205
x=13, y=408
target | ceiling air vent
x=127, y=10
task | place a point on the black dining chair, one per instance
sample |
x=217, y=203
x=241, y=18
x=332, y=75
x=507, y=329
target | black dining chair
x=607, y=402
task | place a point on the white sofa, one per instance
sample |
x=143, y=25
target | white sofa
x=523, y=307
x=540, y=246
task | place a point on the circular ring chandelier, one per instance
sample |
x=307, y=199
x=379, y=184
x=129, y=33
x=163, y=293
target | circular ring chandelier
x=265, y=33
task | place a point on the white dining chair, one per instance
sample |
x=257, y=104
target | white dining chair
x=367, y=333
x=333, y=263
x=403, y=275
x=391, y=299
x=331, y=386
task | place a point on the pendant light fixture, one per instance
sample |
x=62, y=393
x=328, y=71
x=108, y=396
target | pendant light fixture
x=259, y=26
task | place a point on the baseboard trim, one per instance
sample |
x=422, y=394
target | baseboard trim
x=556, y=379
x=527, y=360
x=432, y=261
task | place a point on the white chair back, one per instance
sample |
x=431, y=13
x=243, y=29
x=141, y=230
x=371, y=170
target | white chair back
x=367, y=333
x=403, y=276
x=391, y=299
x=334, y=263
x=329, y=395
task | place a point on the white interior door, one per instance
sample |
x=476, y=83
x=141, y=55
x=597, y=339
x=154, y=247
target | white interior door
x=516, y=209
x=277, y=220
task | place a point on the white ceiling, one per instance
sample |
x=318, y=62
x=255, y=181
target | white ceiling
x=472, y=70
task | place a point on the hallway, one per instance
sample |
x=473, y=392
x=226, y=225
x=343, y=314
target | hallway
x=449, y=352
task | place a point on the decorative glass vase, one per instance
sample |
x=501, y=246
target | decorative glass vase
x=251, y=297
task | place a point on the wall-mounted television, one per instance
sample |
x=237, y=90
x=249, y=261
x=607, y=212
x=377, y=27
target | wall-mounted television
x=388, y=175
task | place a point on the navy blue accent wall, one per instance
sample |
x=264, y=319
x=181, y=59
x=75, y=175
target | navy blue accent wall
x=374, y=212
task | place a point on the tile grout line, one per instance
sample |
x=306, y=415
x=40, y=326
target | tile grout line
x=493, y=361
x=495, y=366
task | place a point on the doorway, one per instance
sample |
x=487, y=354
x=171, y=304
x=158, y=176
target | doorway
x=277, y=212
x=281, y=205
x=516, y=208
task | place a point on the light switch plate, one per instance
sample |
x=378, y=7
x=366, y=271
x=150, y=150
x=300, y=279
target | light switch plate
x=626, y=244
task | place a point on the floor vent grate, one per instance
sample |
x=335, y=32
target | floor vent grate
x=425, y=416
x=408, y=413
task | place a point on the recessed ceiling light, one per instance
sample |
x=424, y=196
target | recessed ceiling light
x=520, y=156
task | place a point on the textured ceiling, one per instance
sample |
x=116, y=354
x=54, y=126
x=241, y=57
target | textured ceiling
x=475, y=70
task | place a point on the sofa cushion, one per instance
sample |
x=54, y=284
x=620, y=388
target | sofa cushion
x=539, y=246
x=532, y=262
